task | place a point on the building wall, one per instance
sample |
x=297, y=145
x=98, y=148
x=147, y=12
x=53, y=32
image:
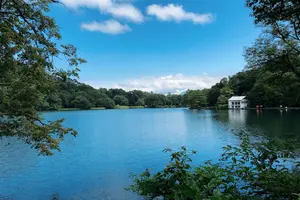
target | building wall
x=244, y=105
x=237, y=104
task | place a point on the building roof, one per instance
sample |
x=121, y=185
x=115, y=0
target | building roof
x=237, y=98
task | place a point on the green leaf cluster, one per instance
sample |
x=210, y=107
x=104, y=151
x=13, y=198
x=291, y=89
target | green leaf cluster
x=266, y=169
x=28, y=76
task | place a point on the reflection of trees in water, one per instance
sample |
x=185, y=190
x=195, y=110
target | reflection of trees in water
x=15, y=157
x=274, y=123
x=271, y=123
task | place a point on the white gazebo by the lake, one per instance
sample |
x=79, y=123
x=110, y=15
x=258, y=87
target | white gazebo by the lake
x=237, y=102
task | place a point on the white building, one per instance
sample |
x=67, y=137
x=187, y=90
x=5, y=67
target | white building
x=237, y=102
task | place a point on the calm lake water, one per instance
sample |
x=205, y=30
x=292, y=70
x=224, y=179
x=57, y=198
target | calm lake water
x=113, y=143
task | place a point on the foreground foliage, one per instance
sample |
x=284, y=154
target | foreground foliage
x=251, y=170
x=28, y=75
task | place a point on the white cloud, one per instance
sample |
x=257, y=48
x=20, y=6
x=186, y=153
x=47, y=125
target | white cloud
x=177, y=83
x=110, y=27
x=87, y=3
x=126, y=11
x=176, y=13
x=120, y=10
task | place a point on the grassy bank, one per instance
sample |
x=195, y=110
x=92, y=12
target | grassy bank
x=98, y=108
x=68, y=109
x=135, y=107
x=121, y=107
x=128, y=107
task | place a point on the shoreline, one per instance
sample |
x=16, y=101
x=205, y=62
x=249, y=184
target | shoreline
x=267, y=108
x=143, y=107
x=102, y=108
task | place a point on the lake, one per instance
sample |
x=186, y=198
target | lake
x=113, y=143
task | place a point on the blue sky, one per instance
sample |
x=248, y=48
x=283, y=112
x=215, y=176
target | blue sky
x=160, y=46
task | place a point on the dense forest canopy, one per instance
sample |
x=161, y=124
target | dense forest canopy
x=72, y=94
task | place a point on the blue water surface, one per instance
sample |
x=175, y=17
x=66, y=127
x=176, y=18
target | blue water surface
x=110, y=145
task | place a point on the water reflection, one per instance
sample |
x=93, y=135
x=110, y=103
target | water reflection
x=113, y=143
x=237, y=117
x=272, y=123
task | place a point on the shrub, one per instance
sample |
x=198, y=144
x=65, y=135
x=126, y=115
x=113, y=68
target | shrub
x=252, y=170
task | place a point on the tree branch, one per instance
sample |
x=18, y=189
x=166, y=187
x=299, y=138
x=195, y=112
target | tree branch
x=24, y=18
x=295, y=30
x=281, y=36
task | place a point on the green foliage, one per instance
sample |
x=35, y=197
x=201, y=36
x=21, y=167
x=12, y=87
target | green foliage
x=213, y=95
x=225, y=93
x=275, y=54
x=242, y=82
x=82, y=102
x=116, y=92
x=163, y=101
x=121, y=100
x=69, y=90
x=269, y=12
x=28, y=76
x=250, y=170
x=156, y=100
x=267, y=168
x=140, y=102
x=196, y=99
x=175, y=100
x=50, y=102
x=105, y=102
x=134, y=96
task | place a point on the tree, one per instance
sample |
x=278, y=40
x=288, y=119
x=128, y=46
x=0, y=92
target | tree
x=269, y=12
x=275, y=53
x=155, y=100
x=82, y=102
x=175, y=100
x=66, y=98
x=121, y=100
x=225, y=94
x=105, y=102
x=140, y=102
x=50, y=102
x=213, y=95
x=114, y=92
x=28, y=74
x=134, y=96
x=196, y=99
x=243, y=82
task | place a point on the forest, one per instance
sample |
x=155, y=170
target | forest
x=72, y=94
x=269, y=85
